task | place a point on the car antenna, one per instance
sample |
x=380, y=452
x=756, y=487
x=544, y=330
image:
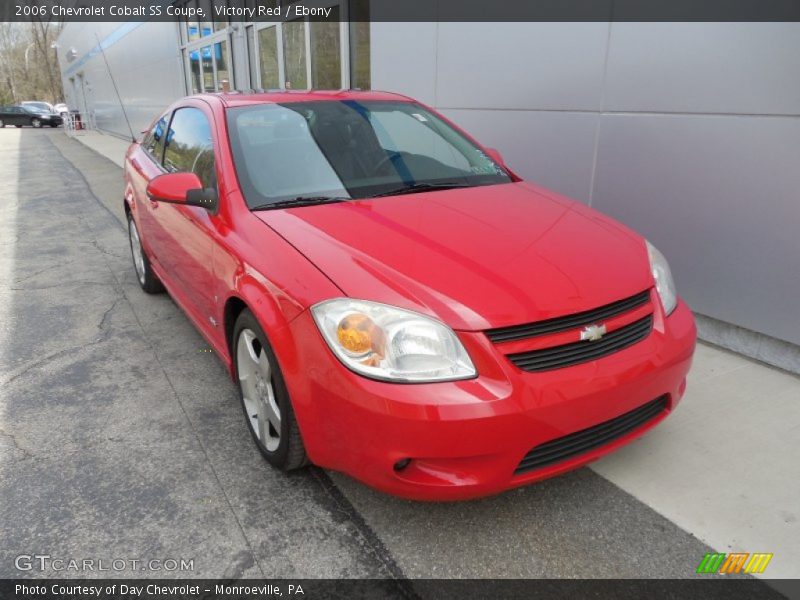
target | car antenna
x=114, y=83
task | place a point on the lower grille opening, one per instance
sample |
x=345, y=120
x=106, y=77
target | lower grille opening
x=577, y=443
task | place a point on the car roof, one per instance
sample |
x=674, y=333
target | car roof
x=250, y=97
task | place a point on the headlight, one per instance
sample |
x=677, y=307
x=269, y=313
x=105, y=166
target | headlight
x=383, y=342
x=664, y=282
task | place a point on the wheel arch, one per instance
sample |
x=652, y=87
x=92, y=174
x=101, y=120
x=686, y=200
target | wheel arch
x=272, y=315
x=274, y=318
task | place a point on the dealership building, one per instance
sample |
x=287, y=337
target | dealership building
x=687, y=132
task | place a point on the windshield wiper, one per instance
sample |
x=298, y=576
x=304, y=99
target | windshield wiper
x=300, y=201
x=416, y=188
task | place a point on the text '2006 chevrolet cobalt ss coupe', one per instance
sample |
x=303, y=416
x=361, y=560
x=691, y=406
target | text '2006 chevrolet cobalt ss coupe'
x=393, y=301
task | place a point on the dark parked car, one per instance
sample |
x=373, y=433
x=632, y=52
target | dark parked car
x=26, y=115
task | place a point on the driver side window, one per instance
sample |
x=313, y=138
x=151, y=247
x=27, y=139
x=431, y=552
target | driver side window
x=189, y=146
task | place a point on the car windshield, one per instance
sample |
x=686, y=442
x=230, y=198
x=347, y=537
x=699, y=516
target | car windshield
x=350, y=149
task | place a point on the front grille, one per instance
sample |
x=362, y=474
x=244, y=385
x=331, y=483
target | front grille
x=585, y=440
x=581, y=319
x=575, y=353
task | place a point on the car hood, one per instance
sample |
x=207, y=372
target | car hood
x=476, y=258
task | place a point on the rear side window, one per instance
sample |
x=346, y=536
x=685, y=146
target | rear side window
x=189, y=146
x=154, y=140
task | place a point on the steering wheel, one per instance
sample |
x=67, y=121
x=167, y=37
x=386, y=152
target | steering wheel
x=390, y=156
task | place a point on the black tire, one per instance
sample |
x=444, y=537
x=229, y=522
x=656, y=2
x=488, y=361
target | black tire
x=53, y=124
x=148, y=280
x=290, y=453
x=2, y=124
x=18, y=126
x=36, y=123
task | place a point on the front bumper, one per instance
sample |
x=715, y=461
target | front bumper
x=466, y=438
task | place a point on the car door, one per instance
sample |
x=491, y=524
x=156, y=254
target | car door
x=142, y=165
x=17, y=116
x=186, y=233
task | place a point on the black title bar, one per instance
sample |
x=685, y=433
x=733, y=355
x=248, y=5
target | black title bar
x=403, y=10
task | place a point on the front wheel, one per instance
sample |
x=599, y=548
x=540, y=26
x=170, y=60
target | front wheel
x=36, y=123
x=265, y=399
x=141, y=264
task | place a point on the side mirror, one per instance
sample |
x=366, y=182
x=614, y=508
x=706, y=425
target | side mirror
x=181, y=188
x=495, y=156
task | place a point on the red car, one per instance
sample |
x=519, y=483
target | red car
x=393, y=301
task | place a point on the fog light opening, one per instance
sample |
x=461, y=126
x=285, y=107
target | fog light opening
x=401, y=464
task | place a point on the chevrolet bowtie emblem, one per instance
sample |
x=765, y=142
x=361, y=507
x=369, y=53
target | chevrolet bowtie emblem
x=593, y=333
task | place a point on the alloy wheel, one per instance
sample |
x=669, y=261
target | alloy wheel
x=258, y=391
x=136, y=251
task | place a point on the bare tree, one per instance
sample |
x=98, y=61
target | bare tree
x=29, y=68
x=44, y=38
x=9, y=42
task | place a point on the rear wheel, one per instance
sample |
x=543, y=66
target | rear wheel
x=53, y=124
x=141, y=264
x=265, y=399
x=18, y=126
x=36, y=123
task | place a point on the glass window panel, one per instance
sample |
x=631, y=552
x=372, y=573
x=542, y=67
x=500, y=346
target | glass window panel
x=208, y=69
x=206, y=26
x=223, y=66
x=194, y=68
x=251, y=55
x=193, y=24
x=294, y=55
x=326, y=63
x=268, y=58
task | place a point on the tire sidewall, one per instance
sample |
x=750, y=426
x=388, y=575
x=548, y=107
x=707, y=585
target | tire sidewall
x=151, y=285
x=247, y=320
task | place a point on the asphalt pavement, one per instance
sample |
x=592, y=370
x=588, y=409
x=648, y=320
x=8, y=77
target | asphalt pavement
x=121, y=435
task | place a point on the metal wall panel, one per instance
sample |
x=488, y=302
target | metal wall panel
x=720, y=196
x=551, y=66
x=742, y=68
x=144, y=60
x=403, y=59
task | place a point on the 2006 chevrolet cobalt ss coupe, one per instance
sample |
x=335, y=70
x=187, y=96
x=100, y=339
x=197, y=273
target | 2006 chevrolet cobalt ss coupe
x=393, y=301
